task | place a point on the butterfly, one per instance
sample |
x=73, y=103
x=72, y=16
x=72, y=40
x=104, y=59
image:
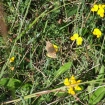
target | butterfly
x=51, y=51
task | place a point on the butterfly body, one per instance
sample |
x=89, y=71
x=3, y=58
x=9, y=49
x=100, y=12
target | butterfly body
x=51, y=52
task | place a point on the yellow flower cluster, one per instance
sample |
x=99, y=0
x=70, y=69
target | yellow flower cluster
x=99, y=9
x=72, y=85
x=97, y=32
x=78, y=39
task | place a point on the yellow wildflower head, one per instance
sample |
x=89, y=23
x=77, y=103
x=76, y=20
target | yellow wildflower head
x=72, y=85
x=12, y=59
x=99, y=9
x=97, y=32
x=79, y=41
x=74, y=37
x=100, y=12
x=55, y=47
x=94, y=8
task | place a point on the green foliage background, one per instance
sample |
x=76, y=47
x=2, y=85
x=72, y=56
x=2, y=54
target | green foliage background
x=37, y=79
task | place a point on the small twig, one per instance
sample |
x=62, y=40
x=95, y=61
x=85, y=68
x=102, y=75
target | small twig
x=77, y=99
x=35, y=95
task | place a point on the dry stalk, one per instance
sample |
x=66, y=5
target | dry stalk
x=3, y=26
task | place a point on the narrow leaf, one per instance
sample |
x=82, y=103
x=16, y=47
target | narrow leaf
x=63, y=69
x=101, y=73
x=97, y=96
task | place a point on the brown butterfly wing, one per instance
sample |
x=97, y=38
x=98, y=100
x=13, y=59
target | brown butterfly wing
x=51, y=52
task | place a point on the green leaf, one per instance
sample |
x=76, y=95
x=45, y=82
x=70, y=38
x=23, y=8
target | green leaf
x=4, y=81
x=97, y=96
x=10, y=82
x=101, y=73
x=90, y=88
x=63, y=69
x=26, y=87
x=61, y=94
x=71, y=10
x=13, y=83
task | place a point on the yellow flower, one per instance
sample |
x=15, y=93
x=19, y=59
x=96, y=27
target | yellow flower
x=97, y=32
x=74, y=37
x=12, y=59
x=79, y=41
x=99, y=9
x=94, y=8
x=72, y=85
x=55, y=47
x=100, y=12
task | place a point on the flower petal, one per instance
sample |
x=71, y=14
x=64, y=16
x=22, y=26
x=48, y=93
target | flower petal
x=74, y=37
x=72, y=80
x=77, y=88
x=55, y=47
x=66, y=82
x=71, y=91
x=79, y=41
x=78, y=81
x=94, y=8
